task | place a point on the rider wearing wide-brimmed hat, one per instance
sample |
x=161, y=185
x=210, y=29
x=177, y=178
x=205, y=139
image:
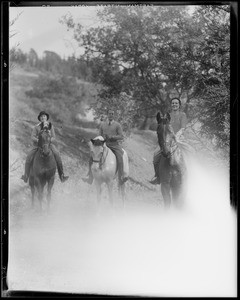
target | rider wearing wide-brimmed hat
x=43, y=118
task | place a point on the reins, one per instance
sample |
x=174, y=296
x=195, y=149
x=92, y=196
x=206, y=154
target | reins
x=170, y=153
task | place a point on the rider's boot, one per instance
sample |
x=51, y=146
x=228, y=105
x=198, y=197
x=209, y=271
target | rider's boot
x=58, y=159
x=155, y=180
x=24, y=178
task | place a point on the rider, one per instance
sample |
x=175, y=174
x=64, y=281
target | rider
x=178, y=123
x=43, y=118
x=112, y=132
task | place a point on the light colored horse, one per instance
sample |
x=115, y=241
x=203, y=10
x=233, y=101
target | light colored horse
x=104, y=168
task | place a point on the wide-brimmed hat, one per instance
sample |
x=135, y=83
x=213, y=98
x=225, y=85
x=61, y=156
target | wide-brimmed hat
x=43, y=113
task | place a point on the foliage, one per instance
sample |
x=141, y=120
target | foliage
x=154, y=53
x=52, y=63
x=151, y=53
x=123, y=106
x=13, y=32
x=213, y=111
x=60, y=95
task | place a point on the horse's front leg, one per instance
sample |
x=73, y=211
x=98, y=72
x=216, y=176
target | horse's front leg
x=177, y=189
x=99, y=191
x=165, y=189
x=33, y=195
x=31, y=184
x=121, y=192
x=49, y=190
x=110, y=191
x=39, y=186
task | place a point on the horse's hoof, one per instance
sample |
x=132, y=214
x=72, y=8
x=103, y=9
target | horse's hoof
x=87, y=180
x=124, y=179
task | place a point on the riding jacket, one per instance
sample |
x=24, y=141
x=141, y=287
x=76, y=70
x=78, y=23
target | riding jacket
x=36, y=130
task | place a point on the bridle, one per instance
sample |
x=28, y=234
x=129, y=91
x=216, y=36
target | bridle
x=42, y=154
x=171, y=152
x=102, y=159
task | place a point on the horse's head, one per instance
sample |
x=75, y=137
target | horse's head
x=44, y=140
x=165, y=133
x=97, y=147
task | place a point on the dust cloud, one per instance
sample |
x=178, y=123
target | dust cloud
x=142, y=250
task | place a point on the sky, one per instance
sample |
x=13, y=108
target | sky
x=39, y=28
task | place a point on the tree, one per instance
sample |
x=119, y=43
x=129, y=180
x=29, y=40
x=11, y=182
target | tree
x=33, y=58
x=153, y=53
x=52, y=62
x=213, y=111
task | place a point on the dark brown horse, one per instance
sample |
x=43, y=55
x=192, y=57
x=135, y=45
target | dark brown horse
x=172, y=165
x=43, y=168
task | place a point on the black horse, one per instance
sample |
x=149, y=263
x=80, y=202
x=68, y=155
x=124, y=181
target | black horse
x=172, y=165
x=43, y=168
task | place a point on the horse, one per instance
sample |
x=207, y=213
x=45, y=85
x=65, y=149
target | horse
x=43, y=168
x=104, y=169
x=172, y=165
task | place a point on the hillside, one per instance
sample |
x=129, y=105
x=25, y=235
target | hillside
x=71, y=143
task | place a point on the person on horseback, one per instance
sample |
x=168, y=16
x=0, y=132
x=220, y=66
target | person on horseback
x=112, y=132
x=178, y=124
x=43, y=118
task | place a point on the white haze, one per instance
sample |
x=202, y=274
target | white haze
x=142, y=252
